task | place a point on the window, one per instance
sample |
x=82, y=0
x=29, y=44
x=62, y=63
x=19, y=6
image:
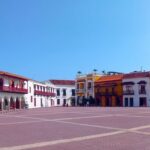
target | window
x=64, y=92
x=35, y=102
x=31, y=99
x=131, y=102
x=73, y=92
x=41, y=102
x=126, y=102
x=29, y=89
x=89, y=85
x=78, y=86
x=81, y=85
x=58, y=101
x=129, y=88
x=64, y=102
x=142, y=89
x=58, y=92
x=142, y=101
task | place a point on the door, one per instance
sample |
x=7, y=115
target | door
x=143, y=102
x=131, y=102
x=126, y=102
x=64, y=102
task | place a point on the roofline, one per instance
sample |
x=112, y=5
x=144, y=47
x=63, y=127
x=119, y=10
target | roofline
x=13, y=75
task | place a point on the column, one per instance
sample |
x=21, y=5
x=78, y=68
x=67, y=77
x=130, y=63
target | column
x=2, y=105
x=113, y=101
x=20, y=103
x=8, y=104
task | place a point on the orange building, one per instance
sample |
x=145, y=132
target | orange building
x=109, y=90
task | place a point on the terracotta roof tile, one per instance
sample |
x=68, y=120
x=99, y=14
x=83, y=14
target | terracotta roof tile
x=63, y=82
x=136, y=75
x=109, y=78
x=3, y=73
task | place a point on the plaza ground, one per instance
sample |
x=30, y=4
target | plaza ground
x=65, y=128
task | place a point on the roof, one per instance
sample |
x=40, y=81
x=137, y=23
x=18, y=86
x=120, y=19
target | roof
x=109, y=78
x=136, y=75
x=63, y=82
x=3, y=73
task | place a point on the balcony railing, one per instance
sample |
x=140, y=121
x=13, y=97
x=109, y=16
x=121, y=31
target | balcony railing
x=43, y=93
x=106, y=93
x=142, y=91
x=13, y=89
x=128, y=92
x=80, y=90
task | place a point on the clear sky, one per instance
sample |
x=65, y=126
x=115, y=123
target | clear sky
x=44, y=39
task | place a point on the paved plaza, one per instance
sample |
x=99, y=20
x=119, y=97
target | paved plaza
x=76, y=128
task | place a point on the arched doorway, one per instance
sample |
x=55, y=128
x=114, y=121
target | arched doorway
x=6, y=103
x=52, y=102
x=17, y=103
x=12, y=103
x=0, y=103
x=41, y=102
x=22, y=102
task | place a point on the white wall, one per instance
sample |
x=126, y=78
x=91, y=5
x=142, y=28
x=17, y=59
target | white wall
x=68, y=94
x=136, y=95
x=44, y=100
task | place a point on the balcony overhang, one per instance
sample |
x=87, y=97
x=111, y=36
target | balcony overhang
x=43, y=93
x=13, y=90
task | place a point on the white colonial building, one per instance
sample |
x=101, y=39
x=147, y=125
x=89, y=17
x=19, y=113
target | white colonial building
x=65, y=92
x=12, y=91
x=39, y=94
x=136, y=89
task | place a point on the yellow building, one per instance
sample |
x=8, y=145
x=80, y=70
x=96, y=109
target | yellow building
x=109, y=90
x=85, y=88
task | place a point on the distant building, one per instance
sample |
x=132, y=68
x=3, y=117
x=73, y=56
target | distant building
x=39, y=94
x=12, y=91
x=65, y=92
x=109, y=91
x=85, y=88
x=136, y=89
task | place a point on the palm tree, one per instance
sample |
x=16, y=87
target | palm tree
x=95, y=70
x=104, y=72
x=79, y=73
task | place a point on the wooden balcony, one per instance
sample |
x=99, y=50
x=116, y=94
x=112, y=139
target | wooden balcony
x=142, y=91
x=128, y=92
x=80, y=90
x=43, y=93
x=13, y=90
x=106, y=93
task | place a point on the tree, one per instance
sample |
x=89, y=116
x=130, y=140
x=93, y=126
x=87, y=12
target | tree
x=95, y=70
x=79, y=72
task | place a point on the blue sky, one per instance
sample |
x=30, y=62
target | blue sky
x=45, y=39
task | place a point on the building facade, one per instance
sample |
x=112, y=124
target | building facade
x=65, y=92
x=85, y=94
x=136, y=89
x=12, y=91
x=39, y=94
x=109, y=91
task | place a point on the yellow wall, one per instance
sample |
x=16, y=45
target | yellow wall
x=118, y=89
